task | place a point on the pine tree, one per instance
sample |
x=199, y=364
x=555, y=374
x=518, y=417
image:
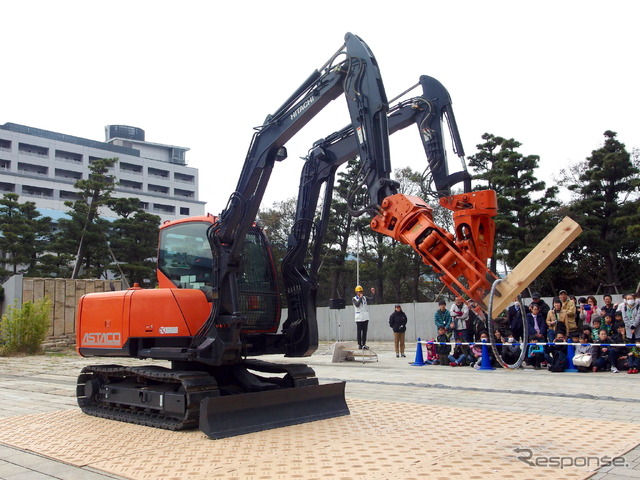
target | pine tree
x=85, y=234
x=606, y=188
x=134, y=241
x=24, y=233
x=524, y=201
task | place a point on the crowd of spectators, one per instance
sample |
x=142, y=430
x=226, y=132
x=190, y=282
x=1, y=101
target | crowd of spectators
x=604, y=337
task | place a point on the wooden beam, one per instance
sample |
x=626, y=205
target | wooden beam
x=534, y=264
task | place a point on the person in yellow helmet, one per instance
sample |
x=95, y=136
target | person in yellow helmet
x=362, y=317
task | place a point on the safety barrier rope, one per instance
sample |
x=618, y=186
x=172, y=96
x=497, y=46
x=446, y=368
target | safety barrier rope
x=425, y=342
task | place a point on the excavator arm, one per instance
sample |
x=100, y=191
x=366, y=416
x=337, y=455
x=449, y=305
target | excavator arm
x=452, y=256
x=352, y=71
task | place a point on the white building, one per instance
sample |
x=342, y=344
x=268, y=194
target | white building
x=42, y=166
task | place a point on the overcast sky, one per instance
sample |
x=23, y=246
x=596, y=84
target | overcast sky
x=554, y=75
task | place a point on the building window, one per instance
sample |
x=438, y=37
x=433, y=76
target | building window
x=68, y=174
x=183, y=178
x=5, y=144
x=183, y=193
x=7, y=187
x=71, y=157
x=160, y=208
x=5, y=165
x=157, y=188
x=130, y=167
x=178, y=156
x=33, y=150
x=37, y=191
x=29, y=169
x=95, y=159
x=184, y=210
x=156, y=172
x=130, y=185
x=66, y=195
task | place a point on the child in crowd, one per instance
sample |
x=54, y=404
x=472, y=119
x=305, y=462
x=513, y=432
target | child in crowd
x=442, y=317
x=620, y=337
x=510, y=353
x=484, y=338
x=476, y=351
x=459, y=356
x=556, y=354
x=432, y=354
x=617, y=319
x=595, y=329
x=584, y=348
x=443, y=350
x=608, y=325
x=575, y=337
x=634, y=358
x=535, y=354
x=603, y=356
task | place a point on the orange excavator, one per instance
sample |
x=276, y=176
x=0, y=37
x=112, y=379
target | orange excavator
x=217, y=303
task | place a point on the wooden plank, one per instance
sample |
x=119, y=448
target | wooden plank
x=534, y=264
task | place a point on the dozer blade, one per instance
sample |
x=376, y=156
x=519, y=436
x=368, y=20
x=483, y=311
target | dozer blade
x=231, y=415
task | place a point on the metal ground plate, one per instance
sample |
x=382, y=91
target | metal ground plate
x=379, y=440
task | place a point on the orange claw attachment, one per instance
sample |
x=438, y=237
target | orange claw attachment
x=408, y=219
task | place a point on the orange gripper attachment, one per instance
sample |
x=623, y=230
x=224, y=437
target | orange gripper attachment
x=408, y=219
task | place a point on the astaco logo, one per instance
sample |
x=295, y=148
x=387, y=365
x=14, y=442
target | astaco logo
x=302, y=107
x=101, y=339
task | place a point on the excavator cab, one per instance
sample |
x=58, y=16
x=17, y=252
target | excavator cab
x=185, y=261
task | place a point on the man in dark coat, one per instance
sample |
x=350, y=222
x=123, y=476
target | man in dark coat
x=542, y=305
x=398, y=323
x=514, y=317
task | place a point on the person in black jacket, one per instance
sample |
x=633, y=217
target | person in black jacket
x=443, y=348
x=542, y=305
x=398, y=322
x=514, y=317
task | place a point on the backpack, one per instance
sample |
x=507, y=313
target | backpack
x=559, y=362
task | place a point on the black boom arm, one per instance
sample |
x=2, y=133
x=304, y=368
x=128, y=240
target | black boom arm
x=353, y=71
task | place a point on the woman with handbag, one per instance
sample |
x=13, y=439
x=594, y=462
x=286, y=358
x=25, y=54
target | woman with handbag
x=582, y=357
x=398, y=323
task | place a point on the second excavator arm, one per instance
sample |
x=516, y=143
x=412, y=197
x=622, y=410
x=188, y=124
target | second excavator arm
x=452, y=256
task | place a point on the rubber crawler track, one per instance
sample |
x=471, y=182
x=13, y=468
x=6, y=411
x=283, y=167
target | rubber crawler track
x=195, y=385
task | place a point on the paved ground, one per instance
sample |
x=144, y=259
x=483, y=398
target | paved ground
x=595, y=403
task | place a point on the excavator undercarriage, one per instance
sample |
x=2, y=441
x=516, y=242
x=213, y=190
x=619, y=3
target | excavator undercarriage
x=240, y=399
